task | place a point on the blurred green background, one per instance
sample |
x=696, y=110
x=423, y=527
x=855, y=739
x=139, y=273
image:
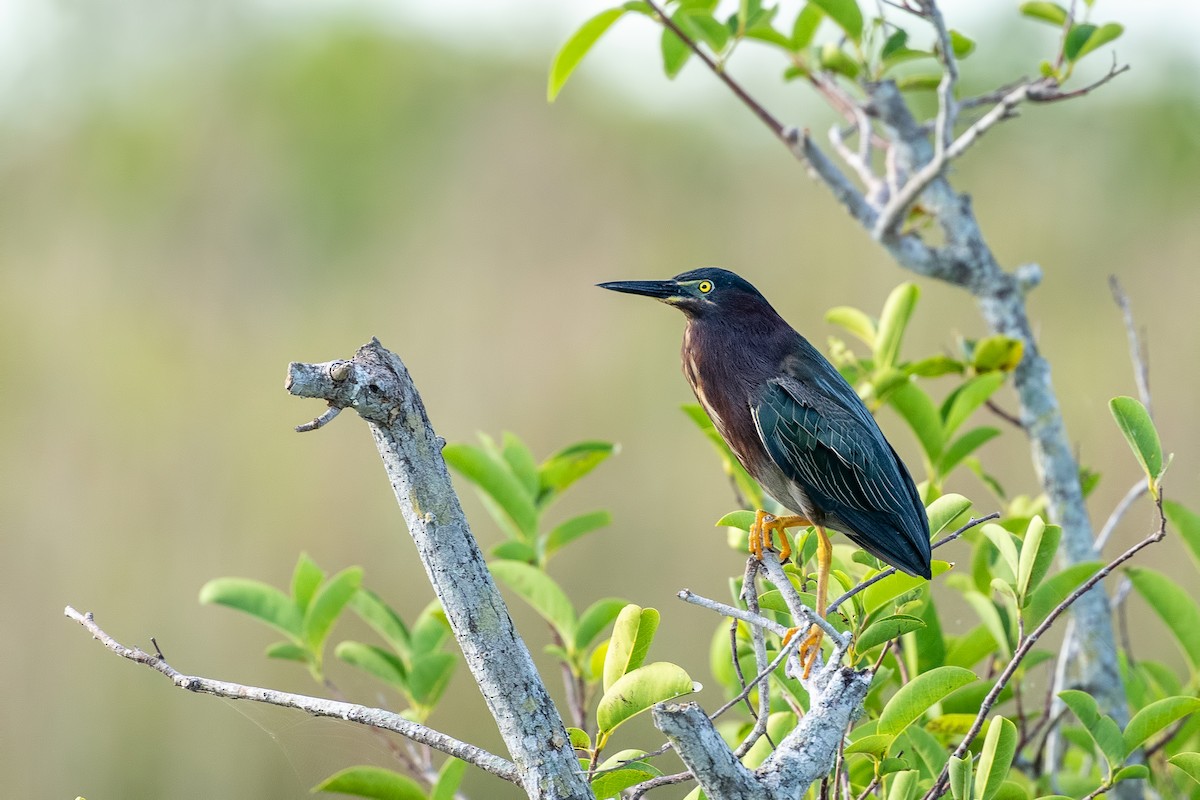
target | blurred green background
x=194, y=194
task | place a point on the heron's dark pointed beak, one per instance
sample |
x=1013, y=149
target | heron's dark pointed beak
x=660, y=290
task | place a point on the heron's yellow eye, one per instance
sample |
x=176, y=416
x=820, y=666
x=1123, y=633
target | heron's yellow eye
x=705, y=287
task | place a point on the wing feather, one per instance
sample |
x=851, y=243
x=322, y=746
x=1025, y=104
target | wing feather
x=831, y=446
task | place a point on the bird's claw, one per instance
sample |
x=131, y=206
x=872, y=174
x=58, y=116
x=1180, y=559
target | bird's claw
x=762, y=535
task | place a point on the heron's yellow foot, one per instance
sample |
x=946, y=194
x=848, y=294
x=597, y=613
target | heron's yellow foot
x=762, y=533
x=808, y=647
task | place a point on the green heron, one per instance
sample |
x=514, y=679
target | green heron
x=796, y=425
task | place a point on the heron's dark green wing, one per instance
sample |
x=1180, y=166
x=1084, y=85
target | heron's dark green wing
x=821, y=436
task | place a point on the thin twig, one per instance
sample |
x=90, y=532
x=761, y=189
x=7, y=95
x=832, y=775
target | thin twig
x=1011, y=419
x=947, y=113
x=940, y=785
x=1166, y=738
x=737, y=664
x=870, y=788
x=638, y=790
x=726, y=610
x=320, y=421
x=1047, y=90
x=1137, y=490
x=1137, y=348
x=374, y=717
x=759, y=111
x=892, y=570
x=759, y=640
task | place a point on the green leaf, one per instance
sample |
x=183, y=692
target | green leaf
x=382, y=619
x=574, y=528
x=912, y=83
x=854, y=321
x=595, y=619
x=632, y=771
x=885, y=630
x=631, y=637
x=935, y=366
x=1187, y=763
x=835, y=59
x=1156, y=716
x=903, y=785
x=514, y=550
x=448, y=780
x=964, y=400
x=579, y=739
x=1090, y=38
x=962, y=45
x=925, y=745
x=997, y=353
x=430, y=629
x=1038, y=549
x=1187, y=523
x=429, y=676
x=1103, y=731
x=742, y=520
x=495, y=478
x=258, y=600
x=675, y=52
x=1046, y=12
x=989, y=615
x=915, y=697
x=875, y=744
x=287, y=651
x=897, y=311
x=375, y=782
x=1135, y=423
x=999, y=747
x=1076, y=38
x=766, y=33
x=638, y=690
x=574, y=49
x=894, y=44
x=805, y=27
x=305, y=579
x=927, y=643
x=570, y=464
x=963, y=446
x=945, y=510
x=521, y=462
x=918, y=410
x=894, y=585
x=1004, y=544
x=1176, y=608
x=845, y=13
x=960, y=777
x=971, y=648
x=1132, y=772
x=541, y=592
x=702, y=26
x=328, y=603
x=374, y=660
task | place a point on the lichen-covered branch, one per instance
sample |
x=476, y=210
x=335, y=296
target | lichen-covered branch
x=376, y=384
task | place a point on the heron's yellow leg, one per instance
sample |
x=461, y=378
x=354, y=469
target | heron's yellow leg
x=762, y=533
x=811, y=646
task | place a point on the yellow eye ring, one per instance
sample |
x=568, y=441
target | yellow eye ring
x=705, y=287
